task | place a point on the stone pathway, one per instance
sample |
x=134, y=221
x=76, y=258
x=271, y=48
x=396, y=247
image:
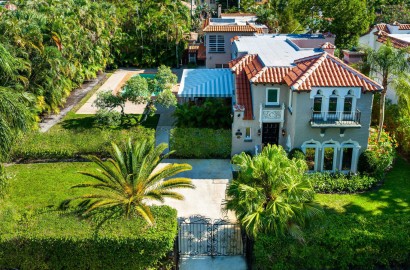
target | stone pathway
x=165, y=124
x=75, y=97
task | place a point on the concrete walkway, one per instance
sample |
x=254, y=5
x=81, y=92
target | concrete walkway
x=210, y=177
x=75, y=97
x=212, y=263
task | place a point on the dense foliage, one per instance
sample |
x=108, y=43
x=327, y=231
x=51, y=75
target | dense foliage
x=380, y=155
x=71, y=144
x=53, y=240
x=341, y=242
x=129, y=182
x=200, y=143
x=271, y=194
x=214, y=113
x=340, y=183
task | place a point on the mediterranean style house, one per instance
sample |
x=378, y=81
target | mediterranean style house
x=290, y=90
x=300, y=96
x=399, y=36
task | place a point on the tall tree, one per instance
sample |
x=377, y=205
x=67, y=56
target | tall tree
x=387, y=63
x=271, y=194
x=130, y=181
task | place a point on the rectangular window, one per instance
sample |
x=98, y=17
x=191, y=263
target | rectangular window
x=348, y=105
x=347, y=159
x=310, y=158
x=317, y=104
x=272, y=97
x=329, y=153
x=216, y=44
x=248, y=134
x=332, y=104
x=290, y=99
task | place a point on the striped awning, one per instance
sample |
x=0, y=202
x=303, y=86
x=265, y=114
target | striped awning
x=206, y=83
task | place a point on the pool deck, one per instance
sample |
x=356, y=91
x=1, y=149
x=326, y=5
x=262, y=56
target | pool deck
x=115, y=82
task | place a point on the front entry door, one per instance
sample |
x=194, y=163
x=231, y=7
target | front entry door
x=270, y=133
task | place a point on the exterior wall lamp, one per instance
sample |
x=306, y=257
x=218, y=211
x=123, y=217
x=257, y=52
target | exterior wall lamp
x=283, y=132
x=259, y=132
x=238, y=134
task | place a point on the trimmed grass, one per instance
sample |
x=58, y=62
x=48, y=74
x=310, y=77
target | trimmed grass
x=79, y=122
x=392, y=197
x=46, y=184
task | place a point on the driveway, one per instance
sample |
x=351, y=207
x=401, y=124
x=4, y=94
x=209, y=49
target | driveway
x=210, y=176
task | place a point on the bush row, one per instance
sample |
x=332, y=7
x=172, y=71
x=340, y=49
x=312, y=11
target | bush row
x=67, y=144
x=201, y=143
x=340, y=183
x=341, y=242
x=52, y=241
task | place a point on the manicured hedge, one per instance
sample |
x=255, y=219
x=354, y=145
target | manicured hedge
x=341, y=242
x=340, y=183
x=67, y=144
x=201, y=143
x=50, y=241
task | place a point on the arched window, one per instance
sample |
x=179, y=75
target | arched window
x=311, y=150
x=348, y=156
x=318, y=105
x=329, y=155
x=349, y=106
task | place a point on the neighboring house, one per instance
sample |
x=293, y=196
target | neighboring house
x=399, y=36
x=300, y=97
x=220, y=31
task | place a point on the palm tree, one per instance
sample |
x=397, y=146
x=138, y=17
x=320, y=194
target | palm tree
x=271, y=194
x=388, y=63
x=128, y=181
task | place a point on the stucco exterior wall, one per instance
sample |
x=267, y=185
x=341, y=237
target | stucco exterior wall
x=297, y=124
x=221, y=58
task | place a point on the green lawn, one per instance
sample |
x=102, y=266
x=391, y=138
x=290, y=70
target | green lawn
x=392, y=197
x=79, y=122
x=45, y=184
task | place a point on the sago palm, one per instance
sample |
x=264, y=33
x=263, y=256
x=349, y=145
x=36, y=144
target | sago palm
x=130, y=180
x=271, y=194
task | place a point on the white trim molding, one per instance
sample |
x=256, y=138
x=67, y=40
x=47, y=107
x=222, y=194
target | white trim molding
x=313, y=144
x=336, y=147
x=355, y=155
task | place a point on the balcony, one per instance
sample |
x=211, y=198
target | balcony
x=335, y=119
x=271, y=114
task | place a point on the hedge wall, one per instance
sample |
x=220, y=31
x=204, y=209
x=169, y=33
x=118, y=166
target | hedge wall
x=201, y=143
x=49, y=241
x=341, y=242
x=68, y=144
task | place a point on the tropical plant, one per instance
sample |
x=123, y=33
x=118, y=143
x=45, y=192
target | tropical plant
x=388, y=63
x=271, y=194
x=130, y=180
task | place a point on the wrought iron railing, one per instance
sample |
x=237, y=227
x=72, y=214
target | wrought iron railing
x=335, y=118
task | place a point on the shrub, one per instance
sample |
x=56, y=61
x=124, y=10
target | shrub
x=52, y=241
x=341, y=242
x=200, y=143
x=296, y=153
x=379, y=156
x=340, y=183
x=106, y=118
x=67, y=144
x=213, y=113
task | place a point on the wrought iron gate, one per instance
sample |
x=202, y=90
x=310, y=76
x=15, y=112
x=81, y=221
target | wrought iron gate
x=202, y=236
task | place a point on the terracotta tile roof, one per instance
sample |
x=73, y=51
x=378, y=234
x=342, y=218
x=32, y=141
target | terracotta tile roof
x=232, y=28
x=404, y=26
x=325, y=70
x=397, y=43
x=271, y=75
x=201, y=52
x=243, y=88
x=382, y=27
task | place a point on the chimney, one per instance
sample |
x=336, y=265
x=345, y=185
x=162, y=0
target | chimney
x=329, y=48
x=219, y=10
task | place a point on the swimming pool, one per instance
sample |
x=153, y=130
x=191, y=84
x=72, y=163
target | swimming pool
x=147, y=75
